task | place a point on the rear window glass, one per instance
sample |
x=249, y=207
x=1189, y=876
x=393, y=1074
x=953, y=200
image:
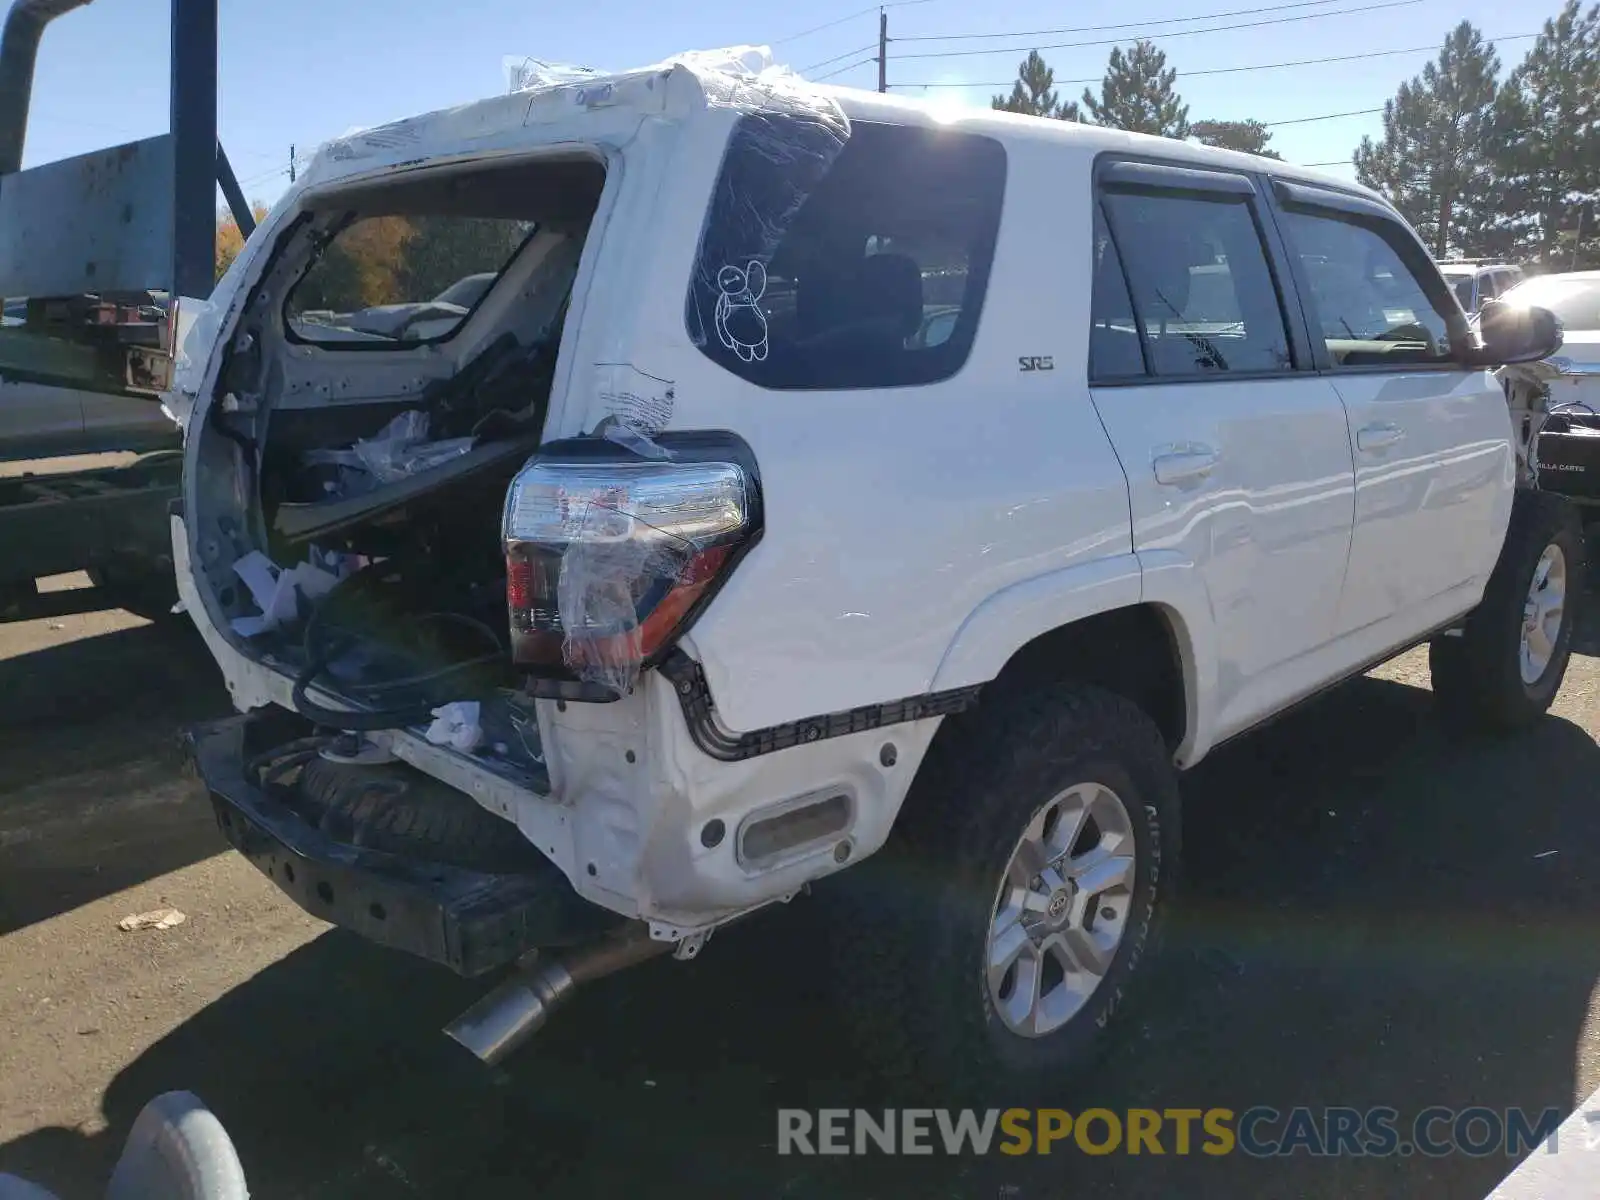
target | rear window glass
x=853, y=266
x=384, y=280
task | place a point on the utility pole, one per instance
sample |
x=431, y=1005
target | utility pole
x=883, y=50
x=291, y=163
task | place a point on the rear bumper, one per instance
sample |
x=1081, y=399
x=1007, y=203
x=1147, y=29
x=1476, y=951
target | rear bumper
x=469, y=921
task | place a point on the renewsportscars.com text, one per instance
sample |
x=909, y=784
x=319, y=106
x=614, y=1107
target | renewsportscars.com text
x=1259, y=1132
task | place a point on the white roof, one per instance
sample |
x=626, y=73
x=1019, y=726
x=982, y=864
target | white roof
x=1007, y=126
x=739, y=77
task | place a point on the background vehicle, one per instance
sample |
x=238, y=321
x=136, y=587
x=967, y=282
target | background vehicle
x=1475, y=282
x=563, y=685
x=92, y=251
x=1563, y=397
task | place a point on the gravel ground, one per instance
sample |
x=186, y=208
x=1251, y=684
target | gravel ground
x=1373, y=918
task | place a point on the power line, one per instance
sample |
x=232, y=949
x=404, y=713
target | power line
x=860, y=62
x=1273, y=66
x=856, y=16
x=1342, y=12
x=263, y=175
x=1028, y=33
x=1355, y=112
x=847, y=54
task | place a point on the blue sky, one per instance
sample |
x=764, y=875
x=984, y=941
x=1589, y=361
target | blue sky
x=300, y=71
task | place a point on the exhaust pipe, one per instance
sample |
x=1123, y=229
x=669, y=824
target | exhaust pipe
x=516, y=1010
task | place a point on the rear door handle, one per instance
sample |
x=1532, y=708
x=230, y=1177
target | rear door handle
x=1188, y=465
x=1378, y=436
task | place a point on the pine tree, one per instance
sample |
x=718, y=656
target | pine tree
x=1433, y=162
x=1248, y=137
x=1034, y=92
x=1546, y=145
x=1137, y=94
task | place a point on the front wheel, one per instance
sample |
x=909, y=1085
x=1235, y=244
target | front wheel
x=994, y=940
x=1504, y=668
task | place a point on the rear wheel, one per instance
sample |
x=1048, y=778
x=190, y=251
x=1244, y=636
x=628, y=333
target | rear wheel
x=1503, y=670
x=993, y=941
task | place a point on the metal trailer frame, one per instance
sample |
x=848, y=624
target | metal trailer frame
x=131, y=218
x=104, y=246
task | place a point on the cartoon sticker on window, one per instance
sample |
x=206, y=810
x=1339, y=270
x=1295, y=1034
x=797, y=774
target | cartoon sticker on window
x=741, y=325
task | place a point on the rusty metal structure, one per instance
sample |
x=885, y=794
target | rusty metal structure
x=127, y=219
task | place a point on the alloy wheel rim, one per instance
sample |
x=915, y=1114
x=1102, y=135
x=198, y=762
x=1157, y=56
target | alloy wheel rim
x=1542, y=614
x=1061, y=910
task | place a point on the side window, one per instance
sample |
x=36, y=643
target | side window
x=1202, y=291
x=1114, y=351
x=1370, y=307
x=1489, y=286
x=854, y=264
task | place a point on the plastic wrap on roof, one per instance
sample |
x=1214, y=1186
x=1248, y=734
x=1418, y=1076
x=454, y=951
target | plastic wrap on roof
x=525, y=73
x=741, y=77
x=774, y=162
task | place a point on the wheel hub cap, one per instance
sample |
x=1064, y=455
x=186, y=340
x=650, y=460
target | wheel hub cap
x=1061, y=909
x=1542, y=614
x=1056, y=910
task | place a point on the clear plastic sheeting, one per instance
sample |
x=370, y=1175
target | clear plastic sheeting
x=614, y=568
x=400, y=449
x=776, y=158
x=523, y=74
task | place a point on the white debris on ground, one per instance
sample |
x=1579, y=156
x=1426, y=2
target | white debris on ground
x=160, y=918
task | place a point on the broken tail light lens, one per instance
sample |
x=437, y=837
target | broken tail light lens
x=606, y=562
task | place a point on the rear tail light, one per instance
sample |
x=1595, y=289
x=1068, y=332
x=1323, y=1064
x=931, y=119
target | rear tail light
x=607, y=562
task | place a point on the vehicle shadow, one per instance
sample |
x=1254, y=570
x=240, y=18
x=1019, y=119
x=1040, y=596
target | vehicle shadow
x=93, y=796
x=1372, y=918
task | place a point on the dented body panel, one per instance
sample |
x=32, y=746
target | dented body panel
x=899, y=569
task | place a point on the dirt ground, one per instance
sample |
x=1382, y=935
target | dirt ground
x=1373, y=917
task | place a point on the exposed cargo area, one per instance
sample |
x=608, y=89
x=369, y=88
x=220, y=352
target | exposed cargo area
x=353, y=467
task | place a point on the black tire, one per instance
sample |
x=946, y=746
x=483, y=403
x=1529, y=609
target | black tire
x=1477, y=675
x=397, y=809
x=147, y=591
x=911, y=924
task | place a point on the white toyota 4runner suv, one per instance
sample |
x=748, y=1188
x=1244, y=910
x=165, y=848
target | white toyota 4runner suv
x=823, y=484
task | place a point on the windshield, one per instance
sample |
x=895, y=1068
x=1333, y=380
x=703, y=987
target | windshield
x=466, y=292
x=1576, y=301
x=1462, y=285
x=406, y=279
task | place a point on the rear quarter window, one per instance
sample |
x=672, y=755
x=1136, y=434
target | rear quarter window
x=829, y=265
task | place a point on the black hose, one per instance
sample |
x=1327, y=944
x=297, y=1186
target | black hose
x=318, y=658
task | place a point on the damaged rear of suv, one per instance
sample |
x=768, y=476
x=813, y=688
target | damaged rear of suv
x=449, y=555
x=619, y=505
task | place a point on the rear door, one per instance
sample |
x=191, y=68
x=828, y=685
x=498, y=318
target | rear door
x=1430, y=438
x=1236, y=453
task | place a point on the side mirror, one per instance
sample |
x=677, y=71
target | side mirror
x=1514, y=334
